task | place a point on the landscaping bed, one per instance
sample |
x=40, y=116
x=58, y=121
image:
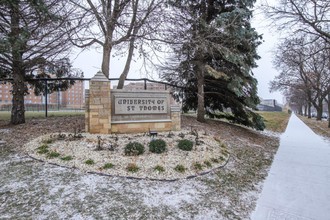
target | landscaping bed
x=113, y=154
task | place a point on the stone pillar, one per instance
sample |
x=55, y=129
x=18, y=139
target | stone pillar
x=87, y=112
x=176, y=118
x=99, y=110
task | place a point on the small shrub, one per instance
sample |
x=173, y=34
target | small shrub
x=170, y=134
x=47, y=141
x=66, y=158
x=43, y=149
x=99, y=143
x=132, y=167
x=159, y=168
x=108, y=166
x=181, y=135
x=134, y=149
x=208, y=163
x=222, y=158
x=215, y=160
x=185, y=145
x=89, y=162
x=53, y=154
x=180, y=168
x=224, y=152
x=198, y=166
x=157, y=146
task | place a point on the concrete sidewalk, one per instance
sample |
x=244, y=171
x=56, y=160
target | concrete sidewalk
x=298, y=184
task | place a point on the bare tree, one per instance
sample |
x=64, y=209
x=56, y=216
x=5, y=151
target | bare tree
x=304, y=67
x=123, y=25
x=33, y=35
x=310, y=17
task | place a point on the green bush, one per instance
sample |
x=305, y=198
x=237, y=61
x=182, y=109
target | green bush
x=157, y=146
x=185, y=145
x=134, y=149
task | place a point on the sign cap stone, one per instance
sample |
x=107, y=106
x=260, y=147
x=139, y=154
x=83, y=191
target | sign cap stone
x=99, y=76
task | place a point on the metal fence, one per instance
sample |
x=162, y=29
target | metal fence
x=56, y=101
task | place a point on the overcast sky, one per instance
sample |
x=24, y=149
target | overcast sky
x=90, y=61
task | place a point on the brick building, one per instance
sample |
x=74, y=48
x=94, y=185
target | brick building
x=73, y=98
x=140, y=86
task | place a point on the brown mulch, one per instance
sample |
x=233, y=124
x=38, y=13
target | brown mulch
x=17, y=135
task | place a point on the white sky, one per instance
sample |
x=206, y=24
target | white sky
x=90, y=61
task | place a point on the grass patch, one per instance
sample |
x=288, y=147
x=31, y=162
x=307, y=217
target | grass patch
x=208, y=163
x=47, y=141
x=159, y=168
x=53, y=154
x=43, y=149
x=197, y=166
x=132, y=167
x=275, y=121
x=5, y=116
x=66, y=158
x=319, y=127
x=89, y=162
x=215, y=160
x=108, y=166
x=180, y=168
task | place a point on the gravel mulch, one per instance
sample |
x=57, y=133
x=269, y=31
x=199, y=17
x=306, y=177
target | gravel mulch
x=31, y=189
x=106, y=154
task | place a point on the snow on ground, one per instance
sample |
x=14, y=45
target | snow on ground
x=33, y=190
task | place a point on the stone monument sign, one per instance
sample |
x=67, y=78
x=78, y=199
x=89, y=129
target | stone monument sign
x=121, y=111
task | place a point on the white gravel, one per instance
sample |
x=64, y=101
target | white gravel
x=210, y=150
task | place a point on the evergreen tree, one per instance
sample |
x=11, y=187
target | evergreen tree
x=215, y=59
x=33, y=39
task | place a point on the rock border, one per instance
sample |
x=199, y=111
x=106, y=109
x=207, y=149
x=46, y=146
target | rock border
x=133, y=177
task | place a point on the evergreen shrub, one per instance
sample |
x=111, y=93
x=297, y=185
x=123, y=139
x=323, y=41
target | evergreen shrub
x=134, y=149
x=157, y=146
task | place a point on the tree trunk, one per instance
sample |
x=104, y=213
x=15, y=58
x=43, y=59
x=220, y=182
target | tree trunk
x=309, y=102
x=329, y=110
x=300, y=109
x=200, y=93
x=124, y=74
x=106, y=59
x=17, y=45
x=18, y=109
x=319, y=110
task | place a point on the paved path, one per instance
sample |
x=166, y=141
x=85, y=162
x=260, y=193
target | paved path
x=298, y=184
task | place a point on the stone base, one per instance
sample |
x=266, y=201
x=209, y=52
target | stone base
x=141, y=127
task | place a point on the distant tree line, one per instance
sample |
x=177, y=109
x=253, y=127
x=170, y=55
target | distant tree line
x=303, y=57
